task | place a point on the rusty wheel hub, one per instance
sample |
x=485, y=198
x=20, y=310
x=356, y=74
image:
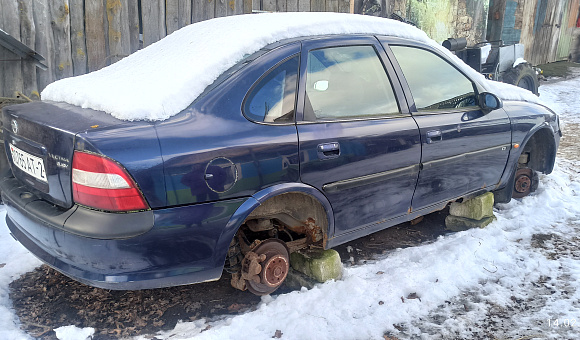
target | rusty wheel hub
x=274, y=271
x=273, y=259
x=523, y=183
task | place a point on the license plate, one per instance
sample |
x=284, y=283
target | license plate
x=32, y=165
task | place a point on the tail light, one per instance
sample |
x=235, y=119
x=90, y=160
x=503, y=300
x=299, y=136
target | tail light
x=101, y=183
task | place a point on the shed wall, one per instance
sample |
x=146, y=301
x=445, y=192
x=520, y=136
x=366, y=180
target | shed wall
x=547, y=28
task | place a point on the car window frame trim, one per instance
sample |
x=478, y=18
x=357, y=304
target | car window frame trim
x=262, y=77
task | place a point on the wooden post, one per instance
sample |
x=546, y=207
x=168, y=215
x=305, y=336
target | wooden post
x=44, y=42
x=221, y=8
x=257, y=5
x=318, y=5
x=197, y=10
x=292, y=6
x=556, y=21
x=133, y=25
x=184, y=13
x=269, y=5
x=95, y=33
x=281, y=6
x=77, y=37
x=239, y=6
x=332, y=5
x=12, y=69
x=208, y=9
x=153, y=13
x=171, y=16
x=119, y=40
x=59, y=12
x=234, y=7
x=248, y=6
x=27, y=37
x=304, y=5
x=344, y=6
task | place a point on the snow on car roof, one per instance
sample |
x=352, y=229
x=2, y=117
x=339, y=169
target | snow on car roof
x=159, y=81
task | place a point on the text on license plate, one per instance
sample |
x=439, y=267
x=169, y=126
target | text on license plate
x=32, y=165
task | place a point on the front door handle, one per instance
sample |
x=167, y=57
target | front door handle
x=434, y=136
x=328, y=150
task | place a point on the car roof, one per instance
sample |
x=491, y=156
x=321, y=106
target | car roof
x=164, y=78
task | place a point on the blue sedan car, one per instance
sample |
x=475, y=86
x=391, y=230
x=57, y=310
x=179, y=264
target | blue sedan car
x=309, y=142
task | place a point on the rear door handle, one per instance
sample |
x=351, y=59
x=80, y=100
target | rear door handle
x=328, y=150
x=434, y=136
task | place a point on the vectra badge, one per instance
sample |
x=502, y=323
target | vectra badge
x=14, y=125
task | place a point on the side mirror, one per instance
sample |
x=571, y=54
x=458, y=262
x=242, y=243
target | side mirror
x=489, y=102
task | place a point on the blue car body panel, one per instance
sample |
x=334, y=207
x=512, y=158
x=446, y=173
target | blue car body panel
x=181, y=248
x=377, y=157
x=214, y=127
x=136, y=146
x=205, y=170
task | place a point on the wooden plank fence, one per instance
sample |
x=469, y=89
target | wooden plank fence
x=80, y=36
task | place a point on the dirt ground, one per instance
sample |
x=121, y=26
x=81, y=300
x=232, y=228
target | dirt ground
x=45, y=299
x=562, y=69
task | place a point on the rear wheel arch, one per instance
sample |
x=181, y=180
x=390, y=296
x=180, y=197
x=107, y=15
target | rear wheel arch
x=274, y=223
x=299, y=206
x=272, y=199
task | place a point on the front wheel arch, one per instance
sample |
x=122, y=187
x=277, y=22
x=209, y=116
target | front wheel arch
x=538, y=153
x=540, y=149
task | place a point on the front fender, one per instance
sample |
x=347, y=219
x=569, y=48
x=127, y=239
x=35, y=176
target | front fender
x=260, y=197
x=528, y=119
x=515, y=154
x=544, y=126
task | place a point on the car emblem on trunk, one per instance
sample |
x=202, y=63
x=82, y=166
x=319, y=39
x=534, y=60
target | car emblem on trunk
x=14, y=125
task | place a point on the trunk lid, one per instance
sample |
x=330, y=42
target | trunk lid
x=39, y=139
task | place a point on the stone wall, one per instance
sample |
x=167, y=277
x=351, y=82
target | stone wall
x=440, y=19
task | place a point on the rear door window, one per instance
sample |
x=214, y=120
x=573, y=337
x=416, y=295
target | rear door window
x=347, y=82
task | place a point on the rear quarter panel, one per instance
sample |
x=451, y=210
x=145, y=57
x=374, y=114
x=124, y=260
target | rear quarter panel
x=136, y=147
x=214, y=128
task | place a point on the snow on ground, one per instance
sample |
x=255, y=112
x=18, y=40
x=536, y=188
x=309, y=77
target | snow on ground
x=513, y=279
x=15, y=260
x=562, y=97
x=151, y=84
x=74, y=333
x=458, y=280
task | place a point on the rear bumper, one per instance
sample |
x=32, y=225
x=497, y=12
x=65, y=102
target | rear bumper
x=181, y=245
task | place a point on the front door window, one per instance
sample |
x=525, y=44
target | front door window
x=434, y=83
